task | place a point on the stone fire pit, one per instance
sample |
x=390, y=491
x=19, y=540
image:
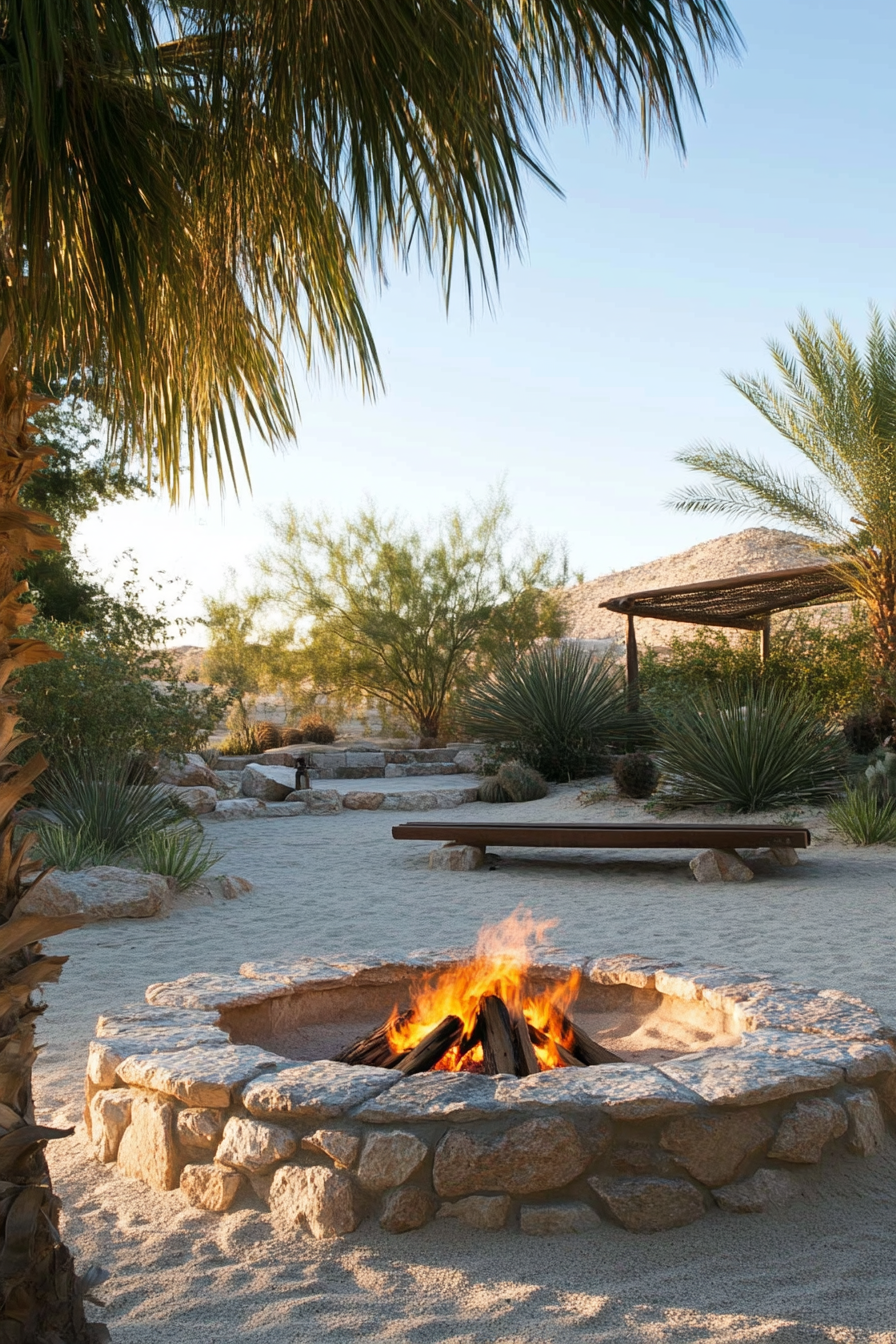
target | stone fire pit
x=224, y=1087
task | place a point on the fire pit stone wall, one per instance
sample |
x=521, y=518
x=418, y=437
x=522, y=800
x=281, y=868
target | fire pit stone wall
x=325, y=1145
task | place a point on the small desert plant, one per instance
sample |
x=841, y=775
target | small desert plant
x=290, y=737
x=521, y=783
x=314, y=729
x=181, y=852
x=748, y=747
x=267, y=735
x=865, y=816
x=554, y=708
x=880, y=773
x=111, y=814
x=636, y=775
x=491, y=791
x=69, y=850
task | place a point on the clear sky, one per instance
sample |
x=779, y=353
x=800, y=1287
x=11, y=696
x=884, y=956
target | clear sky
x=605, y=352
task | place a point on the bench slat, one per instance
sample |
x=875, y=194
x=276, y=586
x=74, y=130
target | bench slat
x=612, y=835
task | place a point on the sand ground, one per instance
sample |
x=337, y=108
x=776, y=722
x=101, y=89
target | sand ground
x=822, y=1269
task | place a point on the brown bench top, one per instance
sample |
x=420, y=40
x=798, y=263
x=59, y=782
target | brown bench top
x=606, y=835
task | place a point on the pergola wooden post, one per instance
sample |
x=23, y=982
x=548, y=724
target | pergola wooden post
x=633, y=689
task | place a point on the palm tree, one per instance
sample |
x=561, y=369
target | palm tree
x=837, y=406
x=185, y=187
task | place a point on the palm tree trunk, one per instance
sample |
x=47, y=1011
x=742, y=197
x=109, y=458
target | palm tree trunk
x=41, y=1297
x=882, y=609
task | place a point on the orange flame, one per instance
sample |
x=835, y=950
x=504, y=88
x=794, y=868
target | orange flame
x=500, y=965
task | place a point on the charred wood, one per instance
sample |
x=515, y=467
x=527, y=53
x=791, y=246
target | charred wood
x=497, y=1036
x=427, y=1053
x=374, y=1049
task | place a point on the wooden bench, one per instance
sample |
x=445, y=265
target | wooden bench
x=718, y=841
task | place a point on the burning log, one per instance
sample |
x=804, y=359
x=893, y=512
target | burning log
x=497, y=1036
x=588, y=1051
x=374, y=1050
x=526, y=1059
x=539, y=1037
x=427, y=1053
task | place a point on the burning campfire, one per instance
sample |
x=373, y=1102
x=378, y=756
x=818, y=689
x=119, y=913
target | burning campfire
x=485, y=1015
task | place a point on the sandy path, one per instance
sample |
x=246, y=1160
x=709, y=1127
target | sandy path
x=820, y=1270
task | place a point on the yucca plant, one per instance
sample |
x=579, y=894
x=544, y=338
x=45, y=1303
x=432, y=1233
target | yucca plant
x=748, y=747
x=98, y=802
x=181, y=852
x=69, y=850
x=555, y=708
x=865, y=816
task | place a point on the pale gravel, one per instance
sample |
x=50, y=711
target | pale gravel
x=821, y=1269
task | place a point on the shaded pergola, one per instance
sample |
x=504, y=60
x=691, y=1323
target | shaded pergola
x=746, y=602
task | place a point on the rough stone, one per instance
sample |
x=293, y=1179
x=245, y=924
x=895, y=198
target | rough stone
x=269, y=783
x=237, y=809
x=806, y=1129
x=204, y=1076
x=487, y=1213
x=408, y=1208
x=433, y=1096
x=764, y=1190
x=697, y=980
x=367, y=760
x=318, y=1090
x=303, y=970
x=720, y=865
x=286, y=809
x=627, y=969
x=97, y=894
x=867, y=1128
x=200, y=1127
x=139, y=1017
x=148, y=1150
x=342, y=1147
x=320, y=802
x=208, y=1186
x=389, y=1159
x=102, y=1064
x=318, y=1196
x=859, y=1060
x=783, y=854
x=198, y=800
x=363, y=800
x=253, y=1145
x=624, y=1091
x=202, y=989
x=887, y=1089
x=552, y=1220
x=457, y=858
x=187, y=774
x=468, y=761
x=231, y=887
x=713, y=1148
x=540, y=1154
x=801, y=1010
x=110, y=1115
x=744, y=1077
x=649, y=1203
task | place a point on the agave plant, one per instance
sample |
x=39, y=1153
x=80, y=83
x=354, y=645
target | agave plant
x=97, y=802
x=749, y=747
x=866, y=816
x=181, y=852
x=555, y=708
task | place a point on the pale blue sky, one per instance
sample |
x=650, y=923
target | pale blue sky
x=605, y=352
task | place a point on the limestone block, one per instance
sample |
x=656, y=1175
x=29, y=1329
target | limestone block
x=434, y=1096
x=208, y=1186
x=342, y=1147
x=744, y=1077
x=148, y=1150
x=318, y=1090
x=487, y=1213
x=409, y=802
x=237, y=809
x=626, y=969
x=859, y=1060
x=720, y=865
x=713, y=1148
x=254, y=1145
x=203, y=989
x=455, y=797
x=102, y=1064
x=457, y=858
x=200, y=1127
x=198, y=800
x=802, y=1010
x=204, y=1076
x=405, y=1209
x=187, y=774
x=269, y=783
x=286, y=809
x=98, y=893
x=320, y=802
x=623, y=1091
x=806, y=1129
x=537, y=1155
x=366, y=760
x=764, y=1190
x=390, y=1158
x=553, y=1220
x=649, y=1203
x=699, y=980
x=867, y=1129
x=322, y=1198
x=300, y=971
x=468, y=761
x=110, y=1115
x=136, y=1018
x=364, y=800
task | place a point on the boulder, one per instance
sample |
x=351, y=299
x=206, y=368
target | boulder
x=364, y=800
x=189, y=773
x=457, y=858
x=200, y=1127
x=198, y=800
x=148, y=1150
x=887, y=1089
x=764, y=1190
x=407, y=1208
x=110, y=1115
x=201, y=1076
x=341, y=1147
x=237, y=809
x=98, y=893
x=320, y=802
x=649, y=1203
x=208, y=1186
x=552, y=1220
x=468, y=762
x=867, y=1129
x=389, y=1159
x=806, y=1129
x=487, y=1213
x=720, y=865
x=537, y=1155
x=270, y=783
x=254, y=1146
x=231, y=887
x=318, y=1196
x=713, y=1148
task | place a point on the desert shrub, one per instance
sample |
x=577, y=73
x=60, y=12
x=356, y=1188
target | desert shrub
x=868, y=728
x=521, y=783
x=314, y=729
x=267, y=735
x=181, y=852
x=98, y=800
x=749, y=747
x=554, y=708
x=491, y=791
x=290, y=737
x=866, y=816
x=69, y=849
x=636, y=775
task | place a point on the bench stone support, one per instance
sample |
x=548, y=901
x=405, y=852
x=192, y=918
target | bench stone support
x=720, y=865
x=457, y=858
